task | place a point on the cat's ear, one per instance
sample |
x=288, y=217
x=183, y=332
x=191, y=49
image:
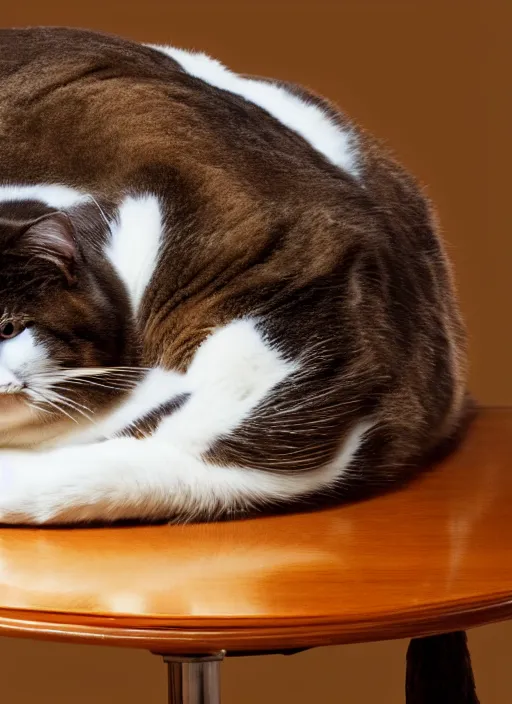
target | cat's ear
x=52, y=238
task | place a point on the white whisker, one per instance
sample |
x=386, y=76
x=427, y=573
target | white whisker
x=36, y=407
x=107, y=221
x=87, y=382
x=58, y=397
x=74, y=372
x=74, y=405
x=53, y=405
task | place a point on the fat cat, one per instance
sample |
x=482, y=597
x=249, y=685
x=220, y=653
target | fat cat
x=218, y=295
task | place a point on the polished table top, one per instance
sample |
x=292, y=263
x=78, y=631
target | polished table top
x=434, y=556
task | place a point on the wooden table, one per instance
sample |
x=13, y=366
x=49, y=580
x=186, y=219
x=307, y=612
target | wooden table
x=435, y=557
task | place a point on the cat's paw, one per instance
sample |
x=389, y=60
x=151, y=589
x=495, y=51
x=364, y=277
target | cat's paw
x=17, y=498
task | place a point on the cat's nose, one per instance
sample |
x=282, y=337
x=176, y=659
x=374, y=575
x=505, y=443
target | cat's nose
x=9, y=383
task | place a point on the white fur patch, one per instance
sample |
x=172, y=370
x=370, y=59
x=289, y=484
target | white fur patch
x=231, y=373
x=53, y=196
x=164, y=476
x=135, y=243
x=19, y=358
x=307, y=119
x=158, y=388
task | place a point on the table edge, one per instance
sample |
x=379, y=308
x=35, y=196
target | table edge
x=246, y=635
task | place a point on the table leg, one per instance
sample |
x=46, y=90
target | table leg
x=439, y=671
x=194, y=679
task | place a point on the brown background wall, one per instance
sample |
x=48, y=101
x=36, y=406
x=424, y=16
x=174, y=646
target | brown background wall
x=431, y=78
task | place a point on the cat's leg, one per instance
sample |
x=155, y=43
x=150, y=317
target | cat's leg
x=238, y=383
x=119, y=479
x=128, y=478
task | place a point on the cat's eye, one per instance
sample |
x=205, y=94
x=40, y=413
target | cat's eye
x=9, y=329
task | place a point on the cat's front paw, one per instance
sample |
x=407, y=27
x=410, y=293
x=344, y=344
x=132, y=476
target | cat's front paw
x=16, y=497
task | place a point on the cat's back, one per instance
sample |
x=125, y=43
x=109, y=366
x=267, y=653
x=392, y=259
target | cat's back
x=98, y=108
x=38, y=47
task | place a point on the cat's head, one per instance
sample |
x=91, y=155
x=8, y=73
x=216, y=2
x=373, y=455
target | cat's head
x=62, y=310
